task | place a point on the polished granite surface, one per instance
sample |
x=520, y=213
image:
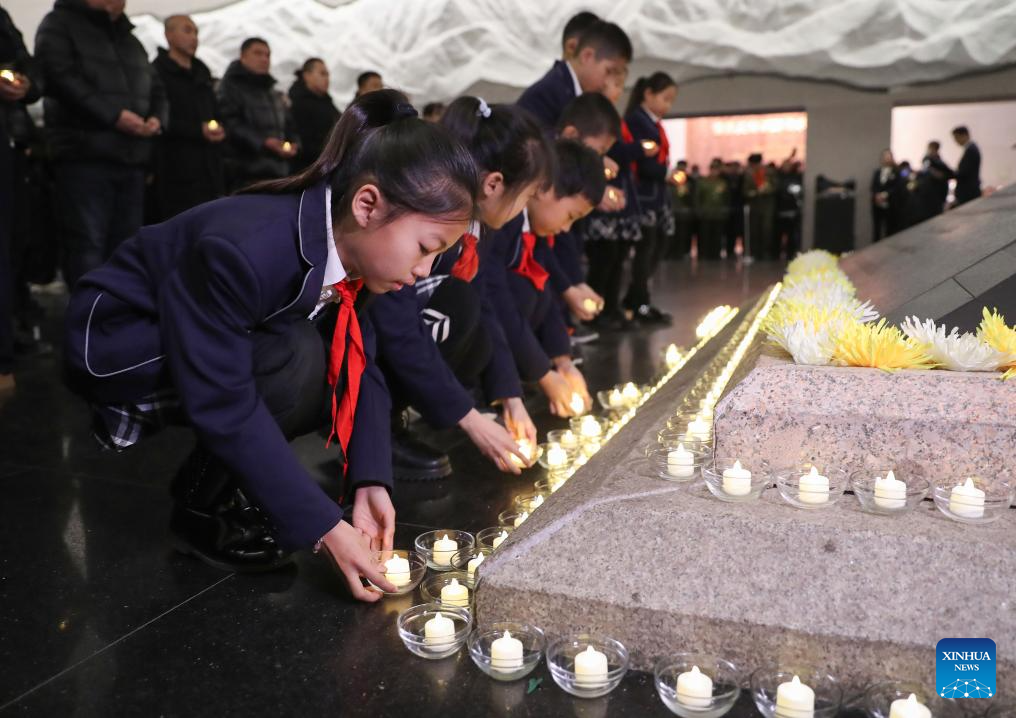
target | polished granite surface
x=100, y=617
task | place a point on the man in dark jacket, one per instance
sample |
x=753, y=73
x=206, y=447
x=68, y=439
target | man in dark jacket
x=261, y=137
x=968, y=171
x=103, y=104
x=19, y=86
x=313, y=110
x=189, y=154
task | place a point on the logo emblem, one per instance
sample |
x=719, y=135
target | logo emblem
x=965, y=668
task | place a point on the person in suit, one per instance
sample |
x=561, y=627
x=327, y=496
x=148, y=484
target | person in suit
x=573, y=29
x=650, y=100
x=759, y=188
x=243, y=318
x=968, y=171
x=314, y=113
x=603, y=51
x=886, y=197
x=188, y=155
x=527, y=310
x=932, y=185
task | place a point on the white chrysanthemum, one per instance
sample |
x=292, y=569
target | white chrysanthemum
x=808, y=345
x=955, y=351
x=812, y=260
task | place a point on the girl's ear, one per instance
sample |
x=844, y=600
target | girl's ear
x=492, y=185
x=368, y=205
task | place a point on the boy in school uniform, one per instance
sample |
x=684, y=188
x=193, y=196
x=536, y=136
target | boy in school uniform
x=243, y=318
x=525, y=303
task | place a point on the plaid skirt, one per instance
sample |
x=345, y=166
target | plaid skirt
x=613, y=228
x=662, y=218
x=119, y=426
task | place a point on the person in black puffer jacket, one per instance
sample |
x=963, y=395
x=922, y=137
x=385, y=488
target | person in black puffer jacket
x=189, y=154
x=314, y=112
x=261, y=138
x=103, y=103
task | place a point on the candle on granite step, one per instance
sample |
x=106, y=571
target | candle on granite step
x=474, y=563
x=499, y=539
x=813, y=488
x=455, y=594
x=908, y=708
x=672, y=357
x=890, y=492
x=557, y=457
x=699, y=429
x=615, y=400
x=967, y=500
x=681, y=463
x=590, y=428
x=397, y=571
x=695, y=689
x=737, y=480
x=569, y=441
x=439, y=630
x=521, y=518
x=590, y=667
x=795, y=700
x=443, y=550
x=506, y=653
x=630, y=393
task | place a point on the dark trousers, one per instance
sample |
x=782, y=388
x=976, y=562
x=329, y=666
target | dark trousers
x=762, y=227
x=6, y=272
x=101, y=204
x=543, y=313
x=883, y=222
x=606, y=267
x=647, y=257
x=710, y=237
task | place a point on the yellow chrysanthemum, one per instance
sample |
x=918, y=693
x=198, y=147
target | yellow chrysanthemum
x=810, y=261
x=999, y=336
x=879, y=346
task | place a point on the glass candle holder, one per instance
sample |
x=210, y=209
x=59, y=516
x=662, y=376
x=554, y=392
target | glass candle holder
x=462, y=559
x=699, y=429
x=765, y=683
x=529, y=503
x=878, y=495
x=590, y=429
x=734, y=481
x=440, y=558
x=487, y=537
x=552, y=482
x=726, y=685
x=512, y=519
x=879, y=698
x=432, y=586
x=554, y=457
x=799, y=489
x=680, y=463
x=412, y=625
x=612, y=400
x=567, y=438
x=671, y=438
x=561, y=660
x=405, y=581
x=506, y=668
x=981, y=501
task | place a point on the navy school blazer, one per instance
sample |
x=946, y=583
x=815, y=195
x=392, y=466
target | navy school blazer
x=407, y=348
x=547, y=97
x=651, y=182
x=176, y=305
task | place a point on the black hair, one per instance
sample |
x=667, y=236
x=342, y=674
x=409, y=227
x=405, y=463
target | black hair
x=578, y=171
x=363, y=77
x=245, y=45
x=936, y=144
x=961, y=130
x=308, y=64
x=578, y=24
x=757, y=157
x=434, y=108
x=417, y=165
x=608, y=39
x=509, y=141
x=592, y=115
x=657, y=82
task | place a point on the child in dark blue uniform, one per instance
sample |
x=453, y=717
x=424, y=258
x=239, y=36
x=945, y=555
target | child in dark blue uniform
x=442, y=337
x=207, y=320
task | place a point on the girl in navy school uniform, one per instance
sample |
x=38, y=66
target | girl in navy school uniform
x=442, y=337
x=242, y=319
x=525, y=305
x=650, y=101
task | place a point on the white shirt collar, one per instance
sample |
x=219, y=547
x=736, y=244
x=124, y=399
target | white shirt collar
x=525, y=220
x=334, y=271
x=652, y=117
x=574, y=77
x=474, y=228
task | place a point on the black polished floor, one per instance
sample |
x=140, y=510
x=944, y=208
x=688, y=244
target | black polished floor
x=101, y=618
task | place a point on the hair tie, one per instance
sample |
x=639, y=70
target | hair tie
x=484, y=109
x=404, y=109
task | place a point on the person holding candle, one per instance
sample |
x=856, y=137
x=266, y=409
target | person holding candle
x=442, y=338
x=243, y=319
x=650, y=100
x=257, y=121
x=188, y=165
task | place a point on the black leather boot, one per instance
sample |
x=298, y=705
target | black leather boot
x=214, y=521
x=412, y=460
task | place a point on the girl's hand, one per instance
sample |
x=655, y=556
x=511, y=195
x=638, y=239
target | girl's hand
x=573, y=377
x=374, y=515
x=577, y=296
x=558, y=393
x=516, y=418
x=350, y=551
x=493, y=441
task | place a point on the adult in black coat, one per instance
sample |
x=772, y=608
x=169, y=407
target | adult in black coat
x=314, y=112
x=887, y=197
x=261, y=139
x=968, y=171
x=188, y=167
x=103, y=105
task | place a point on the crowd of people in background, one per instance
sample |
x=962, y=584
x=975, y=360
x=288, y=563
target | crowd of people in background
x=902, y=196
